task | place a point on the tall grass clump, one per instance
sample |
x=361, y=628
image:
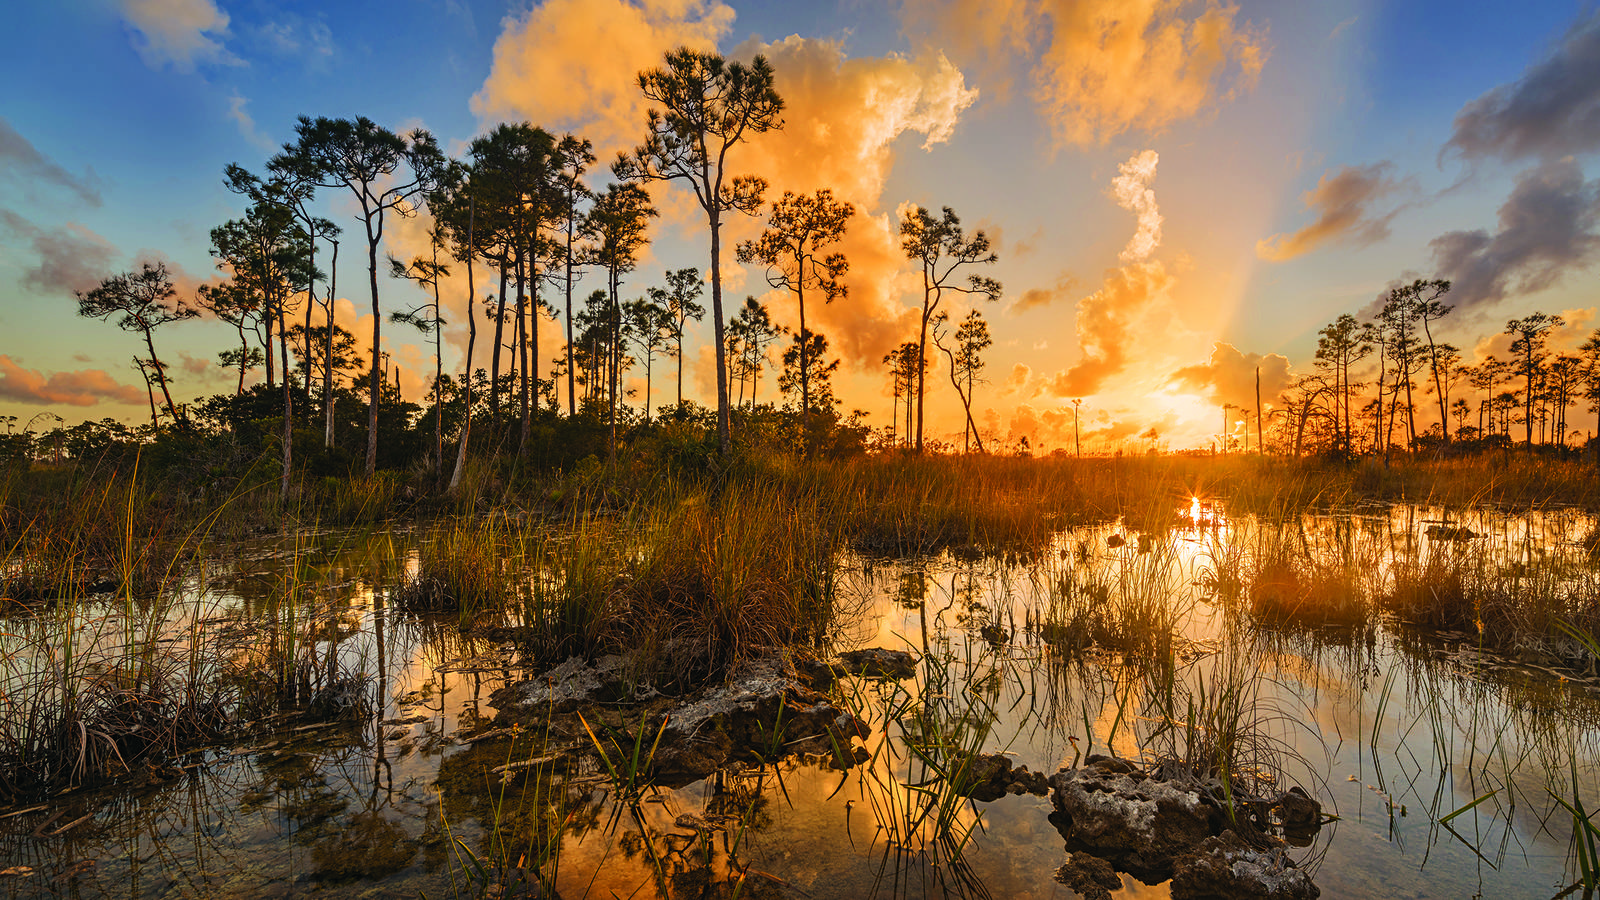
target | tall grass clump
x=724, y=578
x=1294, y=577
x=1209, y=724
x=466, y=569
x=1121, y=600
x=1514, y=596
x=92, y=687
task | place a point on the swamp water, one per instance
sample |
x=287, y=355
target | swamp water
x=1100, y=645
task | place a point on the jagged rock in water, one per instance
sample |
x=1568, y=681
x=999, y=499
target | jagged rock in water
x=876, y=662
x=566, y=687
x=1141, y=824
x=764, y=710
x=989, y=776
x=1091, y=877
x=1154, y=828
x=1226, y=868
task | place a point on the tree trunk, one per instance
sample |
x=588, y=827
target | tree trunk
x=327, y=361
x=724, y=432
x=288, y=404
x=472, y=338
x=522, y=353
x=499, y=340
x=377, y=326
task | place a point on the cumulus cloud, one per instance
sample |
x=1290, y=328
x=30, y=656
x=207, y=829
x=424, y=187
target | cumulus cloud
x=84, y=387
x=177, y=32
x=1229, y=376
x=70, y=258
x=843, y=120
x=1343, y=200
x=1131, y=187
x=23, y=166
x=1546, y=229
x=574, y=64
x=1551, y=111
x=1107, y=318
x=1018, y=379
x=1100, y=68
x=1107, y=322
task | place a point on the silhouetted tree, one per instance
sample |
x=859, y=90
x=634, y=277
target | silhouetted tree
x=966, y=361
x=386, y=172
x=1530, y=334
x=678, y=298
x=710, y=106
x=941, y=248
x=143, y=301
x=798, y=230
x=649, y=326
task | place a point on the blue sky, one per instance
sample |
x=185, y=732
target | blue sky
x=1021, y=115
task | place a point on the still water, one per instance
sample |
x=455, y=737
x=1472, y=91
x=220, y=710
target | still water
x=1395, y=729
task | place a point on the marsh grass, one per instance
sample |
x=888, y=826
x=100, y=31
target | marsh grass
x=1215, y=723
x=920, y=772
x=94, y=688
x=1512, y=595
x=1126, y=600
x=467, y=569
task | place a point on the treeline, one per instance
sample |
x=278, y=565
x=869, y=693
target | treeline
x=522, y=206
x=1372, y=381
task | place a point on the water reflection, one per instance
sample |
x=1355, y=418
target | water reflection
x=1442, y=752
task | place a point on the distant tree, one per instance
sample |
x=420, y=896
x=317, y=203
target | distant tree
x=234, y=304
x=710, y=106
x=1564, y=379
x=428, y=318
x=269, y=255
x=749, y=336
x=617, y=226
x=941, y=248
x=799, y=229
x=679, y=299
x=294, y=187
x=143, y=301
x=966, y=361
x=1530, y=335
x=386, y=172
x=1589, y=353
x=573, y=157
x=821, y=375
x=1340, y=345
x=649, y=326
x=903, y=369
x=1430, y=309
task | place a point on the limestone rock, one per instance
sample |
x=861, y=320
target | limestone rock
x=1226, y=868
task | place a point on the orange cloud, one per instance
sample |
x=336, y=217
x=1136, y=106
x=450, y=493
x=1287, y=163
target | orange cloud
x=1100, y=68
x=1343, y=200
x=84, y=387
x=1229, y=376
x=843, y=118
x=1131, y=187
x=1106, y=319
x=1106, y=326
x=1033, y=298
x=573, y=65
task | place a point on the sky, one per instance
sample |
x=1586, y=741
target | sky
x=1179, y=193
